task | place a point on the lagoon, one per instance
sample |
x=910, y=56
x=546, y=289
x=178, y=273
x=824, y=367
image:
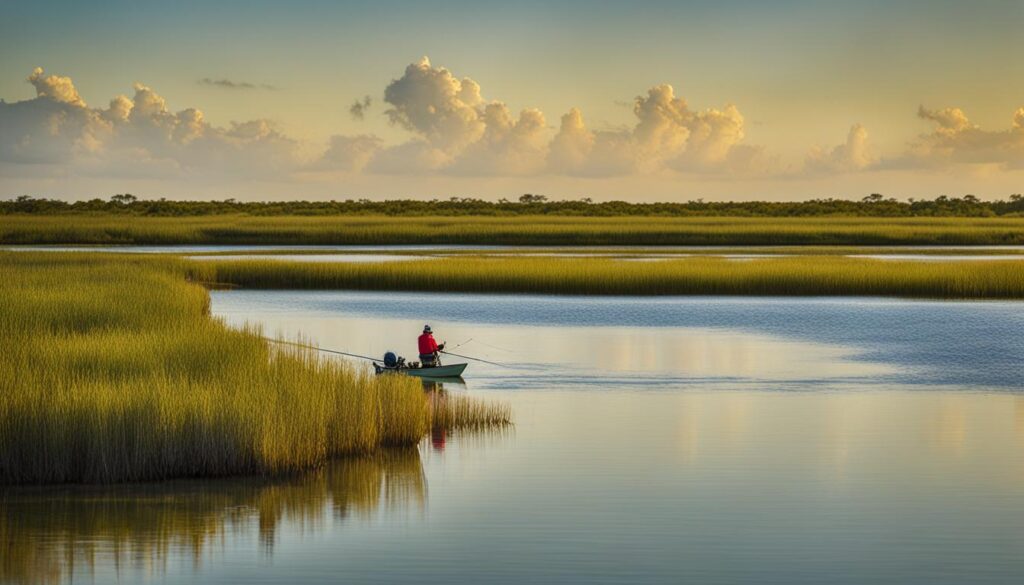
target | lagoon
x=665, y=440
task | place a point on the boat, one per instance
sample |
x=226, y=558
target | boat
x=397, y=364
x=445, y=371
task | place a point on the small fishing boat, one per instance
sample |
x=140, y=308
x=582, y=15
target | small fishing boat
x=396, y=364
x=446, y=371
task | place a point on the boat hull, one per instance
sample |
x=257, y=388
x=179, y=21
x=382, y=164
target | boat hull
x=448, y=371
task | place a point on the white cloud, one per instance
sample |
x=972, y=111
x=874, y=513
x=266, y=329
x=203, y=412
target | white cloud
x=853, y=155
x=459, y=132
x=349, y=154
x=454, y=130
x=413, y=157
x=51, y=128
x=958, y=141
x=58, y=129
x=668, y=135
x=431, y=102
x=56, y=88
x=571, y=147
x=949, y=120
x=508, y=146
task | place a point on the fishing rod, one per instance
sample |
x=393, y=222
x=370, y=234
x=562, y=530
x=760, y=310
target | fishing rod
x=363, y=357
x=466, y=357
x=355, y=355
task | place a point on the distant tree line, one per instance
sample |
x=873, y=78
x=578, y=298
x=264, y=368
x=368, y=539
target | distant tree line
x=874, y=205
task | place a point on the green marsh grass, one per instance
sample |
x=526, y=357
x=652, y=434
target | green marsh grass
x=797, y=276
x=113, y=370
x=519, y=230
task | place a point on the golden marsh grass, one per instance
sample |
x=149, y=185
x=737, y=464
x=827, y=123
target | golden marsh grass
x=113, y=370
x=804, y=275
x=517, y=230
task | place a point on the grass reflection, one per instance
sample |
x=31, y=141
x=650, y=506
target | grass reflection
x=49, y=535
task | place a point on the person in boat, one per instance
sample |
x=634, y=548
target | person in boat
x=429, y=348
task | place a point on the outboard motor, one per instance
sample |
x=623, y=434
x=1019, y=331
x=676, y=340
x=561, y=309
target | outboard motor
x=390, y=359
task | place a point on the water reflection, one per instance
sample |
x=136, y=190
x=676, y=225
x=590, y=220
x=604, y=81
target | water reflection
x=48, y=535
x=356, y=258
x=619, y=342
x=576, y=356
x=437, y=388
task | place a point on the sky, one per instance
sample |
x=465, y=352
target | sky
x=640, y=101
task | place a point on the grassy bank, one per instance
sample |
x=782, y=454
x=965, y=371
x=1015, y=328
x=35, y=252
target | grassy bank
x=522, y=230
x=113, y=370
x=815, y=275
x=606, y=251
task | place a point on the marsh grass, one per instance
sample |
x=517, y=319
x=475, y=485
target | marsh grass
x=609, y=251
x=518, y=230
x=805, y=275
x=452, y=411
x=113, y=370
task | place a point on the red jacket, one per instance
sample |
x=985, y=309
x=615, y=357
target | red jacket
x=427, y=344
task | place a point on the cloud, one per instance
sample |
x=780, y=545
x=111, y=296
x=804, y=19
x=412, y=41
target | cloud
x=576, y=150
x=950, y=121
x=413, y=157
x=59, y=130
x=853, y=155
x=457, y=131
x=53, y=128
x=56, y=88
x=571, y=147
x=350, y=154
x=957, y=141
x=508, y=146
x=453, y=129
x=431, y=102
x=229, y=84
x=358, y=108
x=668, y=135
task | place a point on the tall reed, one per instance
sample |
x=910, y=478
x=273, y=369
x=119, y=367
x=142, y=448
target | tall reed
x=519, y=230
x=113, y=370
x=805, y=275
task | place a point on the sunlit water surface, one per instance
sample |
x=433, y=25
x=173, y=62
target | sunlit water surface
x=398, y=253
x=701, y=440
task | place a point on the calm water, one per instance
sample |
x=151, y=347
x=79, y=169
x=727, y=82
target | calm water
x=393, y=253
x=702, y=440
x=338, y=257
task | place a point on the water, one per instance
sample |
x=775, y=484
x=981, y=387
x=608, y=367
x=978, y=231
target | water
x=940, y=257
x=231, y=248
x=393, y=253
x=704, y=440
x=357, y=258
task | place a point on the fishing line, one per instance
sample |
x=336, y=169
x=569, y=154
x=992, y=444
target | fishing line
x=363, y=357
x=475, y=359
x=355, y=355
x=496, y=347
x=463, y=343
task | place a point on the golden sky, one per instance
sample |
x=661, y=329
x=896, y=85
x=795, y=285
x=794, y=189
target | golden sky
x=648, y=100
